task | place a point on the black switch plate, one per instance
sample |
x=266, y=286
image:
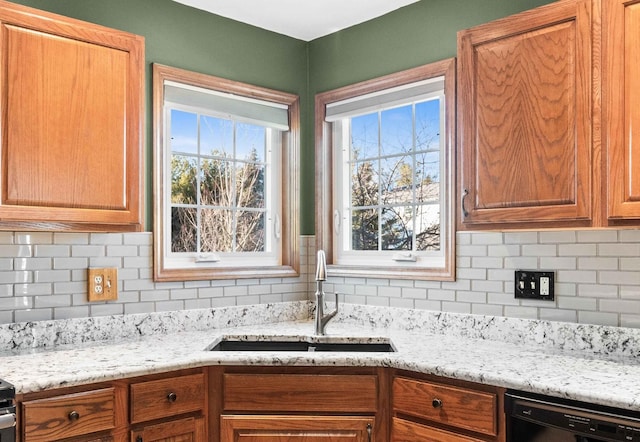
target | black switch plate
x=533, y=284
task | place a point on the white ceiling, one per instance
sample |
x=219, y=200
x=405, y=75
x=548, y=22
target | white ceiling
x=301, y=19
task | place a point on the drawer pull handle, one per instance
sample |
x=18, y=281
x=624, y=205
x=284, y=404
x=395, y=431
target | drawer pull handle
x=172, y=397
x=437, y=403
x=369, y=431
x=73, y=416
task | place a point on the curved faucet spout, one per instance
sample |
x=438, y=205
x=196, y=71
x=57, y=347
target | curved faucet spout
x=321, y=319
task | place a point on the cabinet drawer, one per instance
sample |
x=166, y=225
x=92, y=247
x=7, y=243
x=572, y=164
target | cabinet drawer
x=167, y=397
x=300, y=392
x=405, y=431
x=69, y=415
x=460, y=407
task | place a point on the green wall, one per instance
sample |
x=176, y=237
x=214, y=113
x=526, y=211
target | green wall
x=184, y=37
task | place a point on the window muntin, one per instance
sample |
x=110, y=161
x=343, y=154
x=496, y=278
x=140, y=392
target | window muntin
x=222, y=202
x=388, y=145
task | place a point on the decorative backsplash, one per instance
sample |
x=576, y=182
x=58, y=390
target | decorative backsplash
x=43, y=277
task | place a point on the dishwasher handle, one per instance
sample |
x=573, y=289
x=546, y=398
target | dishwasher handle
x=7, y=420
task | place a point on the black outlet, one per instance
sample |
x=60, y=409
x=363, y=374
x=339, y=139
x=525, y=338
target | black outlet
x=531, y=284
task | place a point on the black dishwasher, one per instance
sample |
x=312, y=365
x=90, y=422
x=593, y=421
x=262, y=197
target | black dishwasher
x=537, y=418
x=7, y=412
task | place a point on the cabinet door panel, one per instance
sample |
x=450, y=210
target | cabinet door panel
x=70, y=165
x=621, y=34
x=296, y=429
x=524, y=117
x=183, y=430
x=71, y=124
x=405, y=431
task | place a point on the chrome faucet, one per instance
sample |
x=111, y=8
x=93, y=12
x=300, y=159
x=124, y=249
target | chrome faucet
x=321, y=276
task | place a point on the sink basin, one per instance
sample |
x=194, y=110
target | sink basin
x=311, y=344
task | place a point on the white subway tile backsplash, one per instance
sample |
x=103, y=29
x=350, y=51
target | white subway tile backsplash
x=557, y=263
x=557, y=237
x=624, y=278
x=539, y=250
x=33, y=289
x=618, y=249
x=521, y=237
x=599, y=318
x=589, y=263
x=551, y=314
x=43, y=276
x=30, y=315
x=620, y=306
x=597, y=236
x=629, y=235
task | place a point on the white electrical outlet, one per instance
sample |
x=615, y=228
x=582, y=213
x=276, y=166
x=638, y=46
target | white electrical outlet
x=544, y=286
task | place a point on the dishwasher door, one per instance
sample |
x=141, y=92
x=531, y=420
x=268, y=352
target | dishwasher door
x=536, y=418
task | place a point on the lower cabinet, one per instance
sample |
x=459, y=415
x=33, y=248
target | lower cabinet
x=267, y=404
x=307, y=404
x=434, y=409
x=253, y=428
x=167, y=407
x=179, y=430
x=407, y=431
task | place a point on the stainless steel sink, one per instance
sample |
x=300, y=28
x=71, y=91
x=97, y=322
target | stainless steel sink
x=245, y=343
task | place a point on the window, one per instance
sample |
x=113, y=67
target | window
x=223, y=205
x=384, y=162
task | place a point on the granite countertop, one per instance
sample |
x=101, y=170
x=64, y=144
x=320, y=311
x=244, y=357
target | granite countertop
x=590, y=363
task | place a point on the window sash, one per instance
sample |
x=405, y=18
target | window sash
x=273, y=201
x=343, y=161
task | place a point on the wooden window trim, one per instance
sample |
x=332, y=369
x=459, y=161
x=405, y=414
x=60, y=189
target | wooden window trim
x=290, y=250
x=324, y=173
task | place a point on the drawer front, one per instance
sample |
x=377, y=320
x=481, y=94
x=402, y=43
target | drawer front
x=459, y=407
x=300, y=392
x=69, y=415
x=167, y=397
x=405, y=431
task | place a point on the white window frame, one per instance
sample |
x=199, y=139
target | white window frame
x=282, y=257
x=331, y=179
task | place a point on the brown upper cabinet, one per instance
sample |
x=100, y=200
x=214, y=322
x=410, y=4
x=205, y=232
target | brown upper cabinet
x=525, y=119
x=72, y=124
x=621, y=108
x=548, y=117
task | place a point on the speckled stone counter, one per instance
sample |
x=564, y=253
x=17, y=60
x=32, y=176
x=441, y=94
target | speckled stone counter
x=591, y=363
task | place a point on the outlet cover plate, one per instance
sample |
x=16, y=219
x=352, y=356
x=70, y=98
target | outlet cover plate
x=528, y=284
x=102, y=284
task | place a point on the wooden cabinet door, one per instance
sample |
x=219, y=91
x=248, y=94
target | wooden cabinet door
x=621, y=106
x=524, y=117
x=406, y=431
x=72, y=122
x=296, y=428
x=183, y=430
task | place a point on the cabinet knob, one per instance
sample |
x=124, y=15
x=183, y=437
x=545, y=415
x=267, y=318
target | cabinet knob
x=172, y=397
x=437, y=403
x=73, y=416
